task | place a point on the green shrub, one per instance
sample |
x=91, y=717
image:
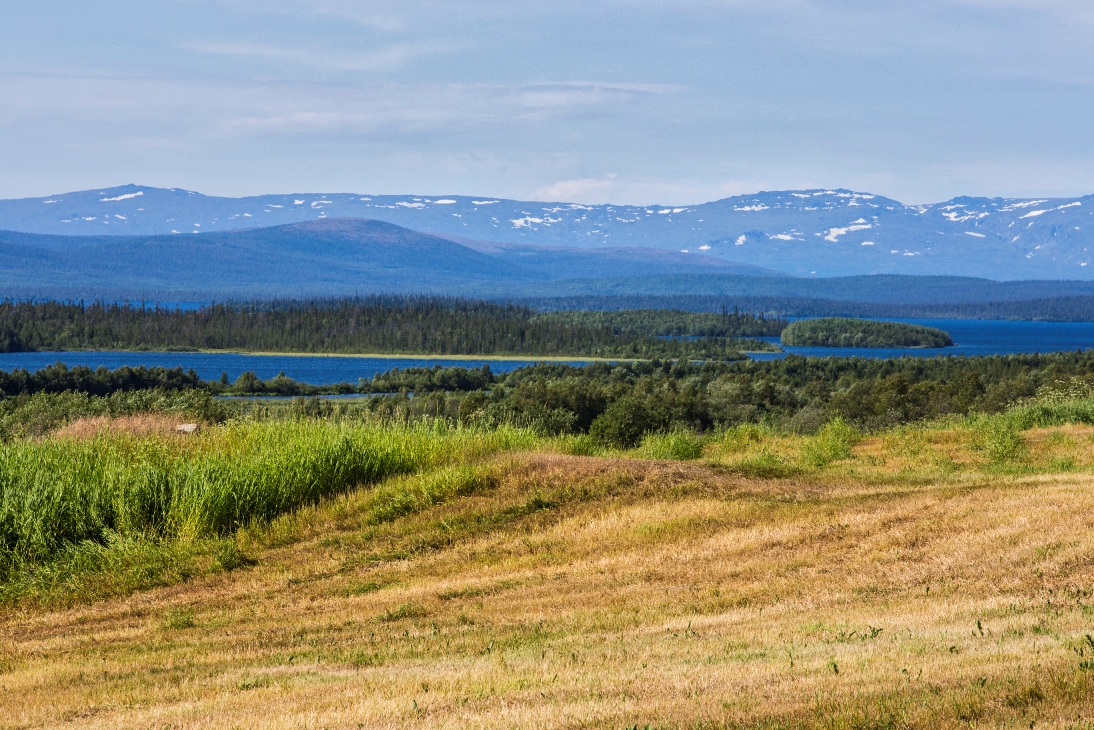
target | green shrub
x=832, y=443
x=998, y=438
x=626, y=421
x=1050, y=411
x=764, y=464
x=743, y=436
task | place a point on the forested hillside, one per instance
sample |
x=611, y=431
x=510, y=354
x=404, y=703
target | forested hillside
x=1050, y=309
x=880, y=288
x=673, y=322
x=409, y=325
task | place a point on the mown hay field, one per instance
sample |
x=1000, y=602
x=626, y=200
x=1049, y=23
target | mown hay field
x=936, y=576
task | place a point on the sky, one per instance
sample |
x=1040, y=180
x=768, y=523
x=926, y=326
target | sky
x=625, y=101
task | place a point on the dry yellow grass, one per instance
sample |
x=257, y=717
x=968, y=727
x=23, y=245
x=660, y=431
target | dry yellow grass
x=144, y=424
x=585, y=592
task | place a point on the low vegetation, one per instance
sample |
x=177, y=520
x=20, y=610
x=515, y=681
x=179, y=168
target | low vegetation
x=619, y=402
x=87, y=485
x=841, y=332
x=624, y=399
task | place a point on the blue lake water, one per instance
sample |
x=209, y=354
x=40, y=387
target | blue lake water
x=972, y=337
x=314, y=369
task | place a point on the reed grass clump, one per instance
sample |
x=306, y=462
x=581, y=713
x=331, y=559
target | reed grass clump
x=677, y=445
x=832, y=443
x=60, y=492
x=1049, y=410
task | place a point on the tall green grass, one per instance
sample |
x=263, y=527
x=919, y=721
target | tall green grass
x=832, y=443
x=57, y=493
x=998, y=436
x=678, y=445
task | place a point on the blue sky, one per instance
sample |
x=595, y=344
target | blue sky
x=627, y=101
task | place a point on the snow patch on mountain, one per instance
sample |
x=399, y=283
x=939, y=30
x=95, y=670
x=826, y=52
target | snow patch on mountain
x=796, y=231
x=123, y=197
x=833, y=234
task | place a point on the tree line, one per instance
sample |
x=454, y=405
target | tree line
x=1078, y=308
x=377, y=324
x=674, y=322
x=619, y=402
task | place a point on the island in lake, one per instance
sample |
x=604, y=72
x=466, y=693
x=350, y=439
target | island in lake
x=843, y=332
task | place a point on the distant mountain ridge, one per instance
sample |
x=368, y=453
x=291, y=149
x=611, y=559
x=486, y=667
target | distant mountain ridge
x=874, y=288
x=330, y=257
x=805, y=233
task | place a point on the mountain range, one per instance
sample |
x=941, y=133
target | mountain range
x=820, y=233
x=329, y=257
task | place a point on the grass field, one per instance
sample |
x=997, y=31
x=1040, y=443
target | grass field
x=932, y=576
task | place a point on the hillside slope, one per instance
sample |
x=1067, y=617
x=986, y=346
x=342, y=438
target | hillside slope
x=821, y=232
x=880, y=288
x=313, y=258
x=553, y=590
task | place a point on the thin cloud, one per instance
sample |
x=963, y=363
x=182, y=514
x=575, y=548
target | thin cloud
x=418, y=108
x=386, y=58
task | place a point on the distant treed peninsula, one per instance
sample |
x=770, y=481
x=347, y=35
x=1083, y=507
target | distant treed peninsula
x=843, y=332
x=382, y=324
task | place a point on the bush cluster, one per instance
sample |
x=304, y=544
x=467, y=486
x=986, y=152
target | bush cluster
x=617, y=403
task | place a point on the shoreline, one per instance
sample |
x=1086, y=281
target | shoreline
x=380, y=356
x=365, y=355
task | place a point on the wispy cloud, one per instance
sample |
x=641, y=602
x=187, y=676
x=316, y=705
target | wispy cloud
x=686, y=100
x=419, y=108
x=384, y=58
x=375, y=16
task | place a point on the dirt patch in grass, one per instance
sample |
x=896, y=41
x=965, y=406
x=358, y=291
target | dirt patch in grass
x=144, y=424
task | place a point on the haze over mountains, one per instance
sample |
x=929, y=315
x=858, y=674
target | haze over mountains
x=802, y=233
x=331, y=257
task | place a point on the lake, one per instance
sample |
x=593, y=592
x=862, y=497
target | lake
x=972, y=337
x=314, y=369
